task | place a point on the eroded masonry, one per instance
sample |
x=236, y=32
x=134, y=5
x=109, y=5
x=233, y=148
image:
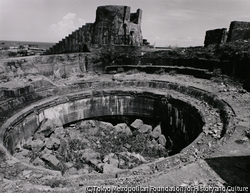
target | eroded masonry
x=238, y=30
x=114, y=25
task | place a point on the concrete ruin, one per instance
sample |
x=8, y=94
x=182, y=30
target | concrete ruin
x=205, y=120
x=216, y=36
x=114, y=25
x=238, y=30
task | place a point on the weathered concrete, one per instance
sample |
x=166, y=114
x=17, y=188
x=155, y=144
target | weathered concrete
x=216, y=36
x=239, y=30
x=178, y=166
x=181, y=116
x=114, y=25
x=105, y=103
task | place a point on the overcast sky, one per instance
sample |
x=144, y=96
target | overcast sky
x=164, y=22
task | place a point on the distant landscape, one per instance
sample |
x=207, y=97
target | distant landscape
x=9, y=43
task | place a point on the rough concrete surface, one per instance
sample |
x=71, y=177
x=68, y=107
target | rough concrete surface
x=226, y=166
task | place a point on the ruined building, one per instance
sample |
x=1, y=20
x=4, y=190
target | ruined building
x=216, y=36
x=238, y=30
x=114, y=25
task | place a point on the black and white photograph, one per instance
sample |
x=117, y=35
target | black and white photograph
x=124, y=96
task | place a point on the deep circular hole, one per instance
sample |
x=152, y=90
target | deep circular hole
x=69, y=147
x=176, y=133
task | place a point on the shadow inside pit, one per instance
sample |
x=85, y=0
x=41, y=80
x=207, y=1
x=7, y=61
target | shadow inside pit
x=234, y=170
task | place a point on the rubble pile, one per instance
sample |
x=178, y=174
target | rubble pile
x=92, y=146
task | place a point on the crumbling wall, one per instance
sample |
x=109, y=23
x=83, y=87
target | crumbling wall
x=216, y=36
x=114, y=25
x=111, y=25
x=135, y=28
x=78, y=41
x=239, y=30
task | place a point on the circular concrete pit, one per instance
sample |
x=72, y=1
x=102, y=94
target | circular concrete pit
x=193, y=118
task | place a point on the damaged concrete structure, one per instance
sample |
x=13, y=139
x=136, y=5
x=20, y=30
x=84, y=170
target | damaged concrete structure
x=238, y=30
x=216, y=36
x=114, y=25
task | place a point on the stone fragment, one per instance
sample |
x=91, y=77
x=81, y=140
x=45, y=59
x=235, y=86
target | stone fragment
x=70, y=172
x=107, y=168
x=126, y=145
x=69, y=164
x=88, y=124
x=106, y=158
x=50, y=159
x=96, y=164
x=60, y=132
x=105, y=128
x=63, y=150
x=37, y=145
x=161, y=147
x=27, y=144
x=37, y=175
x=22, y=154
x=73, y=133
x=38, y=162
x=162, y=140
x=119, y=127
x=45, y=129
x=88, y=154
x=18, y=147
x=83, y=171
x=145, y=128
x=137, y=124
x=156, y=132
x=105, y=125
x=138, y=156
x=93, y=131
x=153, y=144
x=111, y=159
x=122, y=127
x=60, y=73
x=52, y=143
x=46, y=151
x=129, y=160
x=27, y=173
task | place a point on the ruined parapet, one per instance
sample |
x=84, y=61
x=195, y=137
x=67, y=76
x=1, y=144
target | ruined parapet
x=18, y=90
x=114, y=25
x=135, y=28
x=239, y=30
x=216, y=36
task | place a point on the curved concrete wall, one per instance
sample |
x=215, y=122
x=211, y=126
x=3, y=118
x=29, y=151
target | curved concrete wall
x=179, y=116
